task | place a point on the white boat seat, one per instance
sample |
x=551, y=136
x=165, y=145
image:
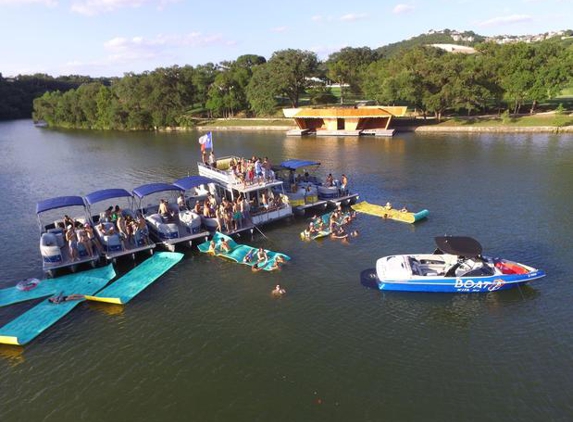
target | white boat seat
x=155, y=219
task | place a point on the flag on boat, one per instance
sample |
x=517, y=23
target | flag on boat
x=206, y=141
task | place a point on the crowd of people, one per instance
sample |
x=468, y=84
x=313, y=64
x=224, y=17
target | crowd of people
x=229, y=215
x=80, y=236
x=336, y=227
x=131, y=228
x=113, y=221
x=247, y=171
x=234, y=215
x=250, y=171
x=256, y=258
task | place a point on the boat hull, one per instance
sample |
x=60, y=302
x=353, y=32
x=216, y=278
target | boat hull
x=451, y=284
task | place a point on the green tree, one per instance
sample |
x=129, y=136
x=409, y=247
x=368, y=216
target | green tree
x=203, y=77
x=262, y=91
x=291, y=71
x=345, y=67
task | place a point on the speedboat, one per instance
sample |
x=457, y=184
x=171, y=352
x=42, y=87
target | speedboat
x=180, y=226
x=456, y=266
x=112, y=244
x=54, y=249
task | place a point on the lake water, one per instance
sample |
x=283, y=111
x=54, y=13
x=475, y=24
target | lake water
x=207, y=342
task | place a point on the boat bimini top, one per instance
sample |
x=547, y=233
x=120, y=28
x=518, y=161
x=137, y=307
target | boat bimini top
x=464, y=246
x=295, y=164
x=59, y=202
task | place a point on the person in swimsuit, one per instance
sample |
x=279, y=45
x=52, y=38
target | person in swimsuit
x=225, y=247
x=249, y=256
x=163, y=210
x=262, y=256
x=94, y=241
x=278, y=291
x=61, y=298
x=277, y=262
x=181, y=202
x=72, y=239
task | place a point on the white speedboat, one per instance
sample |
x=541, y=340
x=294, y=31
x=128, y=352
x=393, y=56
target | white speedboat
x=457, y=266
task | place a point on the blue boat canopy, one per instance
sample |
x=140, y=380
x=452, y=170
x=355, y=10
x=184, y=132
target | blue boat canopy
x=102, y=195
x=192, y=182
x=295, y=164
x=145, y=190
x=59, y=202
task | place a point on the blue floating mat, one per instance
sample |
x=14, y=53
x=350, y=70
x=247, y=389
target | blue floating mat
x=31, y=323
x=238, y=252
x=45, y=288
x=132, y=283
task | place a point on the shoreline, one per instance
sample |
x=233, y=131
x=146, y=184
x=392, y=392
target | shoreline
x=416, y=129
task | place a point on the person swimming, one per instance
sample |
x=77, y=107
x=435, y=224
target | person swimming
x=278, y=291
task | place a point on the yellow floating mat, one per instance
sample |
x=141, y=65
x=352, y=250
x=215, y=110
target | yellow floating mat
x=391, y=213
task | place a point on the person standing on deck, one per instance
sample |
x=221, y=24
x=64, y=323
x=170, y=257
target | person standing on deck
x=343, y=184
x=72, y=239
x=212, y=160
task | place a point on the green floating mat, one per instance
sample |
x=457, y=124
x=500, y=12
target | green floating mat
x=238, y=252
x=135, y=281
x=47, y=287
x=31, y=323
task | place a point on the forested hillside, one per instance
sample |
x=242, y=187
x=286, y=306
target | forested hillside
x=515, y=76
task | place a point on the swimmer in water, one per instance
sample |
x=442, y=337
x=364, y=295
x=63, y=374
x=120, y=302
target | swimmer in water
x=278, y=291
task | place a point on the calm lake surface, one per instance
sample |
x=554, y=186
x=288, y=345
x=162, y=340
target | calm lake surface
x=207, y=342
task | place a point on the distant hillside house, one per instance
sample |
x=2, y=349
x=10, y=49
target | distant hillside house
x=454, y=48
x=344, y=121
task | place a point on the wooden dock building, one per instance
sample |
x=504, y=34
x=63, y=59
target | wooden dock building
x=344, y=121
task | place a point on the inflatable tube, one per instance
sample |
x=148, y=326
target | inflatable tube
x=28, y=284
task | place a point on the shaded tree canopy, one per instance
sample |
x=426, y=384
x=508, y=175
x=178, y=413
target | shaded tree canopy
x=422, y=77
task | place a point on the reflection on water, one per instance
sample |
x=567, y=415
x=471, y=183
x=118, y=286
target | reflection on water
x=110, y=309
x=14, y=355
x=207, y=339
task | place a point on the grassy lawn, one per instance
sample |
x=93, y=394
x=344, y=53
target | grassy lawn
x=521, y=121
x=246, y=122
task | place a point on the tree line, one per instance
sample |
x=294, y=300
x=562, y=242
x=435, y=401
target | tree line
x=428, y=79
x=17, y=94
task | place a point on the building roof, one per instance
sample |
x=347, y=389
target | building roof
x=347, y=112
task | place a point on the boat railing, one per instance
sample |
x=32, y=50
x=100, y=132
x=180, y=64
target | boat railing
x=224, y=174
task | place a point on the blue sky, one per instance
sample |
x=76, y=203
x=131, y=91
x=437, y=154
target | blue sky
x=111, y=37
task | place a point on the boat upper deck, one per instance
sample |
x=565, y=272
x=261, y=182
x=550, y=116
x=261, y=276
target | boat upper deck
x=224, y=174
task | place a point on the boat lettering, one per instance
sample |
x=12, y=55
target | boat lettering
x=467, y=285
